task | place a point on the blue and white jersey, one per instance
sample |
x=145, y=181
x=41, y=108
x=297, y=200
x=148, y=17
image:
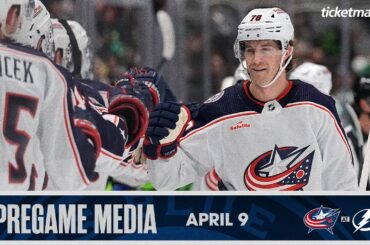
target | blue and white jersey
x=115, y=160
x=112, y=130
x=38, y=134
x=295, y=142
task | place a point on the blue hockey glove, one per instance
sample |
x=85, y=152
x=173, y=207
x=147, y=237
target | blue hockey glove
x=151, y=78
x=132, y=101
x=166, y=125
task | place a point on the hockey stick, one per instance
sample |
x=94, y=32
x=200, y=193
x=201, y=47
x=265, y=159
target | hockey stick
x=365, y=168
x=168, y=36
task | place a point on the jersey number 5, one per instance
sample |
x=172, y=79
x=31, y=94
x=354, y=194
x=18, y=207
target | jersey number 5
x=14, y=105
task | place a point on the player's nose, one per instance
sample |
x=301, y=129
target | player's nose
x=257, y=59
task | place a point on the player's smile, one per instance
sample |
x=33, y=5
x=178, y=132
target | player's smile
x=257, y=74
x=257, y=70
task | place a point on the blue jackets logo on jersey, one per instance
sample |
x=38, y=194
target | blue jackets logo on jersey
x=321, y=218
x=284, y=169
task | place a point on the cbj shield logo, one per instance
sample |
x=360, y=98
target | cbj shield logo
x=361, y=220
x=284, y=169
x=321, y=218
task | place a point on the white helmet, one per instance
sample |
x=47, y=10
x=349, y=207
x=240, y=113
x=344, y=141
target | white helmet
x=18, y=31
x=265, y=24
x=41, y=32
x=83, y=42
x=62, y=46
x=317, y=75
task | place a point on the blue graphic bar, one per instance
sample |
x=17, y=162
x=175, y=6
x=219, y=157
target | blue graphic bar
x=184, y=217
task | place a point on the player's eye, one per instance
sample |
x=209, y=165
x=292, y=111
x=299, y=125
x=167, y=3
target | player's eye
x=249, y=50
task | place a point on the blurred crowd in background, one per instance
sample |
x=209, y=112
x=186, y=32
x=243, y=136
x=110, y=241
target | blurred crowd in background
x=205, y=33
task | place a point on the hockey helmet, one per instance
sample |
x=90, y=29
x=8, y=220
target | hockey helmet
x=62, y=46
x=41, y=32
x=362, y=88
x=317, y=75
x=83, y=42
x=24, y=10
x=265, y=24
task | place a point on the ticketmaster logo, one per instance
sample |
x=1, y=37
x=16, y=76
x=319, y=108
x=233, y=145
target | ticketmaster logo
x=343, y=13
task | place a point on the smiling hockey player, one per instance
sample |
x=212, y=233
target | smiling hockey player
x=269, y=133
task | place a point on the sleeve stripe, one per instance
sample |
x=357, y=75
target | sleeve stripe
x=69, y=131
x=221, y=119
x=340, y=132
x=111, y=155
x=218, y=120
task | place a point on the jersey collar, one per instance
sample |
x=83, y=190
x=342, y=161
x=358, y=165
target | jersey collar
x=283, y=98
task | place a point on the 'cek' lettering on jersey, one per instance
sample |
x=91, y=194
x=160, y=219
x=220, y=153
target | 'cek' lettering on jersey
x=38, y=140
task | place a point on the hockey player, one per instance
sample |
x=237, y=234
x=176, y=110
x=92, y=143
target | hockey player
x=42, y=130
x=71, y=39
x=320, y=77
x=362, y=104
x=209, y=182
x=362, y=107
x=265, y=134
x=161, y=93
x=317, y=75
x=40, y=35
x=129, y=102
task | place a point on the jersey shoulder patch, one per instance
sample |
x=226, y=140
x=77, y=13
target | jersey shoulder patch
x=215, y=97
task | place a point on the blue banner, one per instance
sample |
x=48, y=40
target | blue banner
x=184, y=217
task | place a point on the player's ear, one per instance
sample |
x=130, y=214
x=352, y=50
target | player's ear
x=58, y=58
x=39, y=43
x=12, y=19
x=289, y=52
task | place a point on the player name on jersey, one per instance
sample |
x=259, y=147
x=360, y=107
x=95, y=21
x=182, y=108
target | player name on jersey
x=14, y=68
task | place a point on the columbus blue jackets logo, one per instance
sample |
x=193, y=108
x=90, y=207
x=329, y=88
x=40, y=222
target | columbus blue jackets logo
x=321, y=218
x=283, y=168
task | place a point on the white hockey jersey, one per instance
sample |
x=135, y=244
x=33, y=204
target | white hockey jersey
x=295, y=142
x=38, y=134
